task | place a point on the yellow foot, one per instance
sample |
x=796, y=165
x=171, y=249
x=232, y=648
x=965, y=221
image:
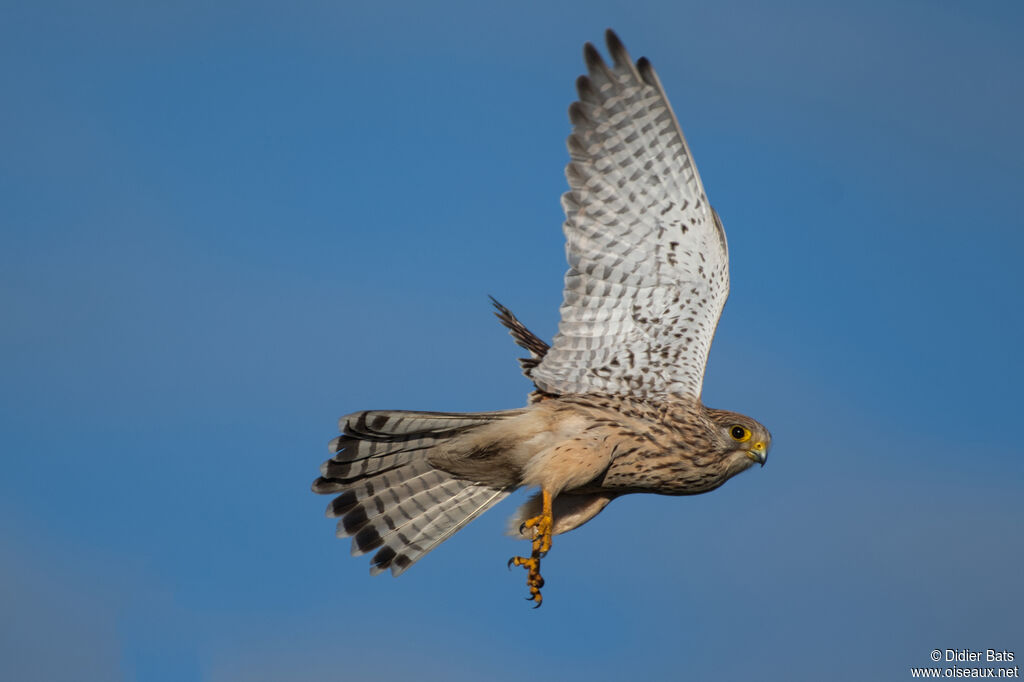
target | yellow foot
x=533, y=578
x=541, y=526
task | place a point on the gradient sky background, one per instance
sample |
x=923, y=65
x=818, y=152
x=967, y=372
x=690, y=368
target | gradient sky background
x=223, y=227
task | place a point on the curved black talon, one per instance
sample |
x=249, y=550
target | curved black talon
x=538, y=605
x=510, y=562
x=522, y=528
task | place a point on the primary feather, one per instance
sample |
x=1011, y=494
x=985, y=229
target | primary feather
x=648, y=264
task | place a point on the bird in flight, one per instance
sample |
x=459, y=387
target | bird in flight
x=616, y=407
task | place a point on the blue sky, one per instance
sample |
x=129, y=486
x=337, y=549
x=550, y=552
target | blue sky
x=223, y=227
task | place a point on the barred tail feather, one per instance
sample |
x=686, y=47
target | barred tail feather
x=392, y=500
x=415, y=538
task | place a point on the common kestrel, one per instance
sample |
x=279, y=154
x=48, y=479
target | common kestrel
x=617, y=405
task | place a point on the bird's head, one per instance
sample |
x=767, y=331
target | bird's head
x=742, y=440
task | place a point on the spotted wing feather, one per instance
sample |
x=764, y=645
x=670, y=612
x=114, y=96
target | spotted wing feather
x=648, y=262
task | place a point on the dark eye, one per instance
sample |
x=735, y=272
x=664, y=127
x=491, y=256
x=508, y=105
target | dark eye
x=739, y=433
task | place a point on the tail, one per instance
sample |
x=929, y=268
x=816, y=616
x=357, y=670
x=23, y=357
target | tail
x=392, y=499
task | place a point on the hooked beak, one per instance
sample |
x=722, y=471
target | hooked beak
x=758, y=452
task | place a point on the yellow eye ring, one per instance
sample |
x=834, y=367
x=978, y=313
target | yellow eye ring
x=739, y=433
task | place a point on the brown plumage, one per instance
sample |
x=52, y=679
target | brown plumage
x=617, y=408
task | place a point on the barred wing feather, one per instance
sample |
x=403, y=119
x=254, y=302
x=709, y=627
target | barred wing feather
x=648, y=262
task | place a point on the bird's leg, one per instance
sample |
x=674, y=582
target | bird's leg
x=541, y=526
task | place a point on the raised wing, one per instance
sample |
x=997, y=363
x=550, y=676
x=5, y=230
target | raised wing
x=648, y=262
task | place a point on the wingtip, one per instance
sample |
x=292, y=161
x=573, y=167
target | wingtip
x=616, y=49
x=577, y=116
x=592, y=57
x=646, y=71
x=585, y=89
x=500, y=310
